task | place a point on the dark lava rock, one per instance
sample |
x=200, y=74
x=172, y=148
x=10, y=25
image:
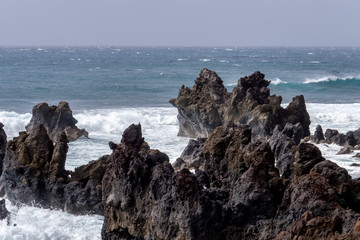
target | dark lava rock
x=319, y=135
x=4, y=213
x=3, y=141
x=56, y=119
x=357, y=155
x=192, y=156
x=208, y=105
x=305, y=157
x=333, y=136
x=238, y=195
x=34, y=173
x=282, y=142
x=345, y=150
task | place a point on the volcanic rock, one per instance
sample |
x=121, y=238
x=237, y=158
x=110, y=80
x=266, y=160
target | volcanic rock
x=282, y=142
x=34, y=173
x=192, y=156
x=319, y=135
x=208, y=105
x=345, y=150
x=3, y=211
x=238, y=195
x=305, y=157
x=56, y=119
x=3, y=141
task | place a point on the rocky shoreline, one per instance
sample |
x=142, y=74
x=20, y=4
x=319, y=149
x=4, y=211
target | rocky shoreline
x=250, y=172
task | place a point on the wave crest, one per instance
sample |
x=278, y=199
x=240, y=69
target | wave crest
x=330, y=78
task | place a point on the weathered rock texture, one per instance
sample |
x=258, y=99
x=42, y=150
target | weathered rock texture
x=208, y=105
x=34, y=173
x=192, y=156
x=282, y=141
x=239, y=194
x=56, y=119
x=3, y=141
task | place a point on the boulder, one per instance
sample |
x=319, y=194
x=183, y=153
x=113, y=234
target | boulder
x=319, y=135
x=345, y=150
x=56, y=119
x=208, y=105
x=34, y=173
x=305, y=157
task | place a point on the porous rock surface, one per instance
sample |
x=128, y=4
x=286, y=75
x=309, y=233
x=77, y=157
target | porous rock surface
x=34, y=173
x=56, y=119
x=208, y=105
x=239, y=194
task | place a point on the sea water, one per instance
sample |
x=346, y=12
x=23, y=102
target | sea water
x=109, y=88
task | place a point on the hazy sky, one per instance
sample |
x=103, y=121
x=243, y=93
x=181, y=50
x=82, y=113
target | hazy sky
x=180, y=22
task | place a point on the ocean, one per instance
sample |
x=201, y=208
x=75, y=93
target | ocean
x=109, y=88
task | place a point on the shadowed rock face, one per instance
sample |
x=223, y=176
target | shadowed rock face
x=208, y=105
x=34, y=173
x=56, y=119
x=238, y=194
x=3, y=141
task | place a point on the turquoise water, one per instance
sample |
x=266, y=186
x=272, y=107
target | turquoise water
x=132, y=77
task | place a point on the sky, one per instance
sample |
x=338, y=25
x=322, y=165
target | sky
x=179, y=23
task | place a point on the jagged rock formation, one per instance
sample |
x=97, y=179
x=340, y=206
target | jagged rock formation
x=34, y=173
x=208, y=105
x=282, y=141
x=238, y=195
x=3, y=141
x=56, y=119
x=192, y=156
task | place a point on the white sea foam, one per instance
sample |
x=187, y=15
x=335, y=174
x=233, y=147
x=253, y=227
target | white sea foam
x=329, y=78
x=277, y=81
x=310, y=53
x=14, y=122
x=344, y=117
x=329, y=152
x=182, y=59
x=314, y=62
x=223, y=61
x=33, y=223
x=159, y=125
x=205, y=60
x=229, y=49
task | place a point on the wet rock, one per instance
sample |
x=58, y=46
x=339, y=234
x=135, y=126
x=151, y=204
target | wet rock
x=357, y=155
x=319, y=135
x=4, y=213
x=3, y=141
x=345, y=150
x=333, y=136
x=208, y=105
x=34, y=173
x=56, y=119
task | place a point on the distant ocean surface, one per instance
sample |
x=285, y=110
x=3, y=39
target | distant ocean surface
x=109, y=88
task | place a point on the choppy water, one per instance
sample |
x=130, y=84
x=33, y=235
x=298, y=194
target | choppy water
x=111, y=88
